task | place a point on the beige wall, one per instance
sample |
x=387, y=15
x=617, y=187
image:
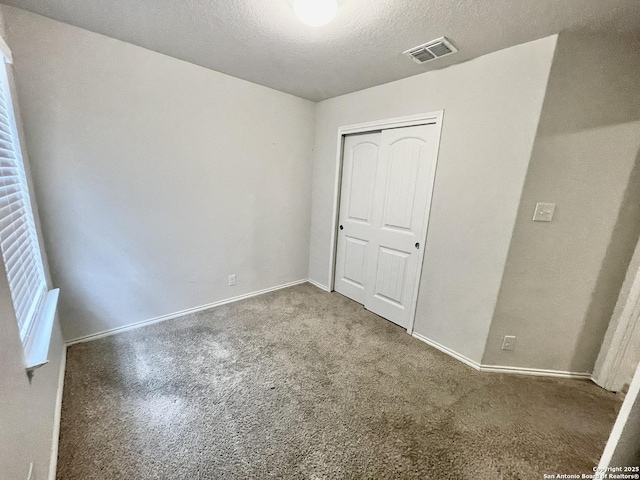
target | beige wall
x=157, y=178
x=562, y=278
x=27, y=407
x=492, y=106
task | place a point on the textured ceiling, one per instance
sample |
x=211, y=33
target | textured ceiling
x=262, y=41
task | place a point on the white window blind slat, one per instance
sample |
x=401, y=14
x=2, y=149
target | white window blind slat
x=29, y=284
x=4, y=122
x=5, y=224
x=24, y=289
x=7, y=209
x=4, y=150
x=9, y=246
x=18, y=265
x=8, y=171
x=18, y=238
x=13, y=244
x=18, y=258
x=7, y=162
x=12, y=179
x=39, y=293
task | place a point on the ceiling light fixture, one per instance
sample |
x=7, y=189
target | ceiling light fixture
x=315, y=12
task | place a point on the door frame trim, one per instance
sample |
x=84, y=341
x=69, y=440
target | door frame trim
x=623, y=332
x=431, y=118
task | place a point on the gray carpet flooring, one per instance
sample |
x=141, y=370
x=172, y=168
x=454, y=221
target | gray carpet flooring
x=300, y=383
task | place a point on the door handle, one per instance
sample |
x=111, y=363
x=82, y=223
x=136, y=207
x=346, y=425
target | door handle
x=341, y=227
x=418, y=245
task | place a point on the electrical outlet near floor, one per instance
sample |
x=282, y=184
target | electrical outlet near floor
x=508, y=342
x=232, y=280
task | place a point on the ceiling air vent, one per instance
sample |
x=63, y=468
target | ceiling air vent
x=440, y=47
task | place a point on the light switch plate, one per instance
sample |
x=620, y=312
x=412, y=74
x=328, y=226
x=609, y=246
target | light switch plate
x=544, y=212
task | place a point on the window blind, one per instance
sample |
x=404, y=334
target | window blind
x=18, y=237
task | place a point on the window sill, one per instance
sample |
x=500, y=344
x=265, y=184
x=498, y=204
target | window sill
x=36, y=350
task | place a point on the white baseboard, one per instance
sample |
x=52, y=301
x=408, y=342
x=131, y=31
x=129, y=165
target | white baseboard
x=188, y=311
x=458, y=356
x=318, y=284
x=53, y=464
x=540, y=372
x=500, y=368
x=448, y=351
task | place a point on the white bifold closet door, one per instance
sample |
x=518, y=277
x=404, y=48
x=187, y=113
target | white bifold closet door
x=384, y=202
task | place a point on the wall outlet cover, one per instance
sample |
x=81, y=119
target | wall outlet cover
x=544, y=212
x=232, y=280
x=508, y=342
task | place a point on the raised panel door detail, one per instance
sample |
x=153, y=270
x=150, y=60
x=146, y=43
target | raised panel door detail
x=364, y=158
x=355, y=251
x=391, y=275
x=402, y=175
